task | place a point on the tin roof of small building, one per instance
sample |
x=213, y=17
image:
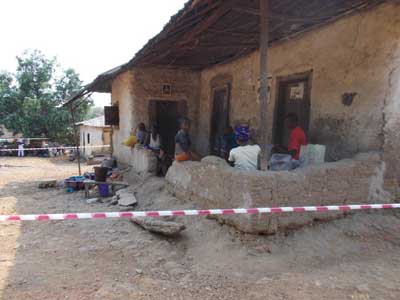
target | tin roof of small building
x=95, y=122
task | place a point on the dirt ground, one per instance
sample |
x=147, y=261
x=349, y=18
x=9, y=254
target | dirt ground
x=357, y=257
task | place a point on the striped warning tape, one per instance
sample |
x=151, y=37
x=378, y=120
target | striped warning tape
x=55, y=148
x=204, y=212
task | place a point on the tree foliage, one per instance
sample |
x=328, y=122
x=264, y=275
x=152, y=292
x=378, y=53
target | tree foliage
x=31, y=98
x=94, y=112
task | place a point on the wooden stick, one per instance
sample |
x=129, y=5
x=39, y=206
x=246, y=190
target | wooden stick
x=72, y=110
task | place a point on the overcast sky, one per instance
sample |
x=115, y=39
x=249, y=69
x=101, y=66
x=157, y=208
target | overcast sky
x=91, y=36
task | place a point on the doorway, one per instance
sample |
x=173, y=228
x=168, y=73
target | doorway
x=293, y=97
x=219, y=117
x=165, y=115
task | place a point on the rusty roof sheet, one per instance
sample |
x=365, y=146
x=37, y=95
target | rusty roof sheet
x=205, y=32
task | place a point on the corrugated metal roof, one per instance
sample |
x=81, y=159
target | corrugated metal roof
x=95, y=122
x=205, y=33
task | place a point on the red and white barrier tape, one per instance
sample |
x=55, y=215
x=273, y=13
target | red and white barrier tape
x=205, y=212
x=55, y=148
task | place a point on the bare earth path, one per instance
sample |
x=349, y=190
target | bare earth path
x=354, y=258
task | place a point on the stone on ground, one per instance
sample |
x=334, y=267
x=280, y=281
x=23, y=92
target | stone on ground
x=92, y=200
x=125, y=198
x=159, y=226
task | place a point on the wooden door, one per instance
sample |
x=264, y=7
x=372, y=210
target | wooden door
x=219, y=117
x=152, y=113
x=293, y=97
x=167, y=121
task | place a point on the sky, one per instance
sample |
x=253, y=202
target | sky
x=91, y=36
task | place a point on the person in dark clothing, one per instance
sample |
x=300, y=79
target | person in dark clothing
x=183, y=143
x=228, y=142
x=141, y=134
x=164, y=161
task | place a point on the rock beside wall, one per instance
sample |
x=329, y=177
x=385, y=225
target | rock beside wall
x=213, y=184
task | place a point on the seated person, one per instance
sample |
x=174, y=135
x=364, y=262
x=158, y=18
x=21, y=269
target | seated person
x=245, y=156
x=164, y=161
x=228, y=142
x=141, y=134
x=296, y=140
x=183, y=142
x=154, y=139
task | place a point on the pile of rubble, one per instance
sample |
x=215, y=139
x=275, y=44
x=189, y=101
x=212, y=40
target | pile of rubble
x=126, y=200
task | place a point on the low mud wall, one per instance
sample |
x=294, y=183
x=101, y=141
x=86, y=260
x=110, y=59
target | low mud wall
x=211, y=183
x=144, y=160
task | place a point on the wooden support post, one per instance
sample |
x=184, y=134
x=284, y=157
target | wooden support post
x=72, y=110
x=263, y=96
x=111, y=141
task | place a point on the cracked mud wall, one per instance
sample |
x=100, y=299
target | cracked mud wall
x=391, y=127
x=212, y=183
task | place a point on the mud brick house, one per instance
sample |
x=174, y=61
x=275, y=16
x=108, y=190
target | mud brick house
x=335, y=63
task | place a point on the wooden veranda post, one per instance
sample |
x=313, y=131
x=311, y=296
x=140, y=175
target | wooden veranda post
x=72, y=110
x=263, y=96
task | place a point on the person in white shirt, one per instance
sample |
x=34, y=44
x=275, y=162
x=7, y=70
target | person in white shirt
x=154, y=139
x=245, y=156
x=20, y=148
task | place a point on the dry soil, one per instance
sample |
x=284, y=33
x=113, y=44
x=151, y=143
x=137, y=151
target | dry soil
x=356, y=257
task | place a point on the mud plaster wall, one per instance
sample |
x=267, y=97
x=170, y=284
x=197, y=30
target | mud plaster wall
x=134, y=89
x=357, y=54
x=391, y=127
x=122, y=96
x=213, y=184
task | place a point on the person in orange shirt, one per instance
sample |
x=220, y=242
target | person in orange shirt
x=296, y=140
x=183, y=143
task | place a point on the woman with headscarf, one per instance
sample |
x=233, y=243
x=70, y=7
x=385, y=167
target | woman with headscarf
x=245, y=156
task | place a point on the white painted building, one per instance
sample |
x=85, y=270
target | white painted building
x=94, y=132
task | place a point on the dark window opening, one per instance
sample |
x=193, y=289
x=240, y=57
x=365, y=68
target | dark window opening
x=219, y=117
x=111, y=115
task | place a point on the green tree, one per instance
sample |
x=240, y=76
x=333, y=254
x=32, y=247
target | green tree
x=9, y=102
x=94, y=112
x=30, y=99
